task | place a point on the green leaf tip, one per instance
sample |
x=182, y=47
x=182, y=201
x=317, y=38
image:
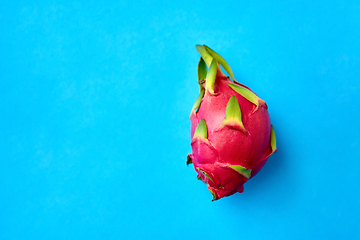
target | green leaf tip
x=246, y=93
x=205, y=174
x=202, y=70
x=201, y=129
x=188, y=160
x=273, y=140
x=211, y=77
x=204, y=54
x=221, y=61
x=233, y=114
x=213, y=194
x=243, y=171
x=198, y=100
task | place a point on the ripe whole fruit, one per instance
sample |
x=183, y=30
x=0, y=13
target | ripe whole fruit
x=231, y=134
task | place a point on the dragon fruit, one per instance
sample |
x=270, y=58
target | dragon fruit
x=232, y=137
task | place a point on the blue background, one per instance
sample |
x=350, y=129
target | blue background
x=95, y=100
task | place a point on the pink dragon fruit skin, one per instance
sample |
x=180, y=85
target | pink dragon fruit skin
x=232, y=137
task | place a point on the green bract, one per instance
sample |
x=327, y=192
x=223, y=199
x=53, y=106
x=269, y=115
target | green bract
x=221, y=61
x=243, y=171
x=211, y=76
x=233, y=113
x=198, y=100
x=201, y=129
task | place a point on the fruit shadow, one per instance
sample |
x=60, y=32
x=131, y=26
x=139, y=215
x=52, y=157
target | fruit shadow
x=272, y=180
x=273, y=167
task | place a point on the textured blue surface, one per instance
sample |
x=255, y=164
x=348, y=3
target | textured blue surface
x=94, y=118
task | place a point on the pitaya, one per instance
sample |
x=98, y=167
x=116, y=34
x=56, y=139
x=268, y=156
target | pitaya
x=231, y=134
